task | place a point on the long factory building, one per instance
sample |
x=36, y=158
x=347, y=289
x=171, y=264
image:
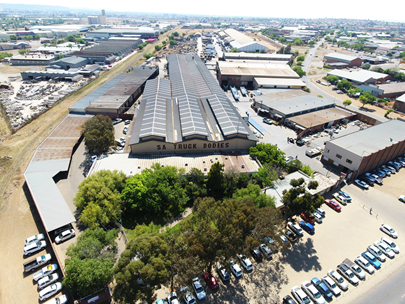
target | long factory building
x=189, y=113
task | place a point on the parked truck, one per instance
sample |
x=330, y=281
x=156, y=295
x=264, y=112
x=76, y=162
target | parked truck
x=312, y=152
x=38, y=261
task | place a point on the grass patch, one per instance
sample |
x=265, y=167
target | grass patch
x=141, y=229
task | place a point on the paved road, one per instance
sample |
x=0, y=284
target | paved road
x=391, y=290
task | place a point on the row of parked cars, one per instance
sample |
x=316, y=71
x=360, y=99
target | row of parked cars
x=321, y=290
x=377, y=175
x=46, y=277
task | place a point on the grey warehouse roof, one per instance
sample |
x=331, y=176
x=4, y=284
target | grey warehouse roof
x=373, y=139
x=341, y=57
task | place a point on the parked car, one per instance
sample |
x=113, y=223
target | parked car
x=290, y=235
x=271, y=243
x=223, y=273
x=390, y=243
x=127, y=122
x=34, y=239
x=395, y=165
x=389, y=230
x=65, y=235
x=345, y=271
x=288, y=159
x=307, y=227
x=385, y=249
x=338, y=279
x=386, y=170
x=256, y=254
x=340, y=198
x=34, y=247
x=369, y=181
x=211, y=281
x=295, y=228
x=331, y=285
x=288, y=300
x=300, y=295
x=172, y=298
x=44, y=272
x=50, y=291
x=380, y=173
x=377, y=253
x=372, y=259
x=361, y=184
x=355, y=268
x=323, y=289
x=335, y=206
x=45, y=281
x=401, y=198
x=235, y=269
x=246, y=263
x=318, y=218
x=391, y=169
x=365, y=264
x=346, y=196
x=313, y=293
x=266, y=251
x=282, y=239
x=320, y=211
x=198, y=289
x=189, y=298
x=59, y=300
x=309, y=219
x=267, y=121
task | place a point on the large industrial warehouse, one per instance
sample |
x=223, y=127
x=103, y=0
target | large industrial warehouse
x=189, y=113
x=362, y=151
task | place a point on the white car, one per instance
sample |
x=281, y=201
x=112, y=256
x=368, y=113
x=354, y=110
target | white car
x=65, y=235
x=198, y=289
x=390, y=243
x=363, y=263
x=402, y=198
x=358, y=271
x=246, y=263
x=34, y=247
x=235, y=268
x=295, y=228
x=361, y=184
x=345, y=271
x=318, y=218
x=385, y=248
x=45, y=281
x=338, y=279
x=389, y=230
x=172, y=298
x=377, y=253
x=59, y=300
x=44, y=272
x=189, y=298
x=313, y=293
x=300, y=296
x=331, y=285
x=266, y=251
x=34, y=239
x=50, y=291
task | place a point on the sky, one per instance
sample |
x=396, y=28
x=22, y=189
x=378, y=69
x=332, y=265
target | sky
x=259, y=8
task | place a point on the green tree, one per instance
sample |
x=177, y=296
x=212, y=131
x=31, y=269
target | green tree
x=367, y=98
x=158, y=47
x=297, y=200
x=354, y=91
x=215, y=181
x=98, y=134
x=235, y=50
x=164, y=42
x=5, y=54
x=377, y=69
x=366, y=66
x=400, y=76
x=173, y=42
x=158, y=192
x=299, y=71
x=99, y=199
x=195, y=184
x=89, y=263
x=388, y=112
x=147, y=55
x=13, y=37
x=287, y=49
x=141, y=269
x=402, y=54
x=344, y=85
x=176, y=34
x=300, y=58
x=332, y=79
x=297, y=41
x=347, y=102
x=80, y=41
x=265, y=176
x=294, y=166
x=307, y=170
x=392, y=72
x=268, y=154
x=255, y=194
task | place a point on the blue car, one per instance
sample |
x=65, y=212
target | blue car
x=323, y=289
x=161, y=301
x=372, y=259
x=346, y=196
x=307, y=227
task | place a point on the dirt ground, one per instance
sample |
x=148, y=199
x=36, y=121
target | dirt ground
x=18, y=216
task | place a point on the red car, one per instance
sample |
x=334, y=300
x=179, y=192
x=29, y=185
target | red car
x=310, y=220
x=335, y=206
x=211, y=281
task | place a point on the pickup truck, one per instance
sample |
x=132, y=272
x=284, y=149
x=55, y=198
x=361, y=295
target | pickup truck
x=312, y=152
x=44, y=272
x=38, y=261
x=340, y=198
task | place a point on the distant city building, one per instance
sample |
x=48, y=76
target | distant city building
x=98, y=19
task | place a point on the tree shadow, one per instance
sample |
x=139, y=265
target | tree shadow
x=302, y=257
x=85, y=165
x=366, y=109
